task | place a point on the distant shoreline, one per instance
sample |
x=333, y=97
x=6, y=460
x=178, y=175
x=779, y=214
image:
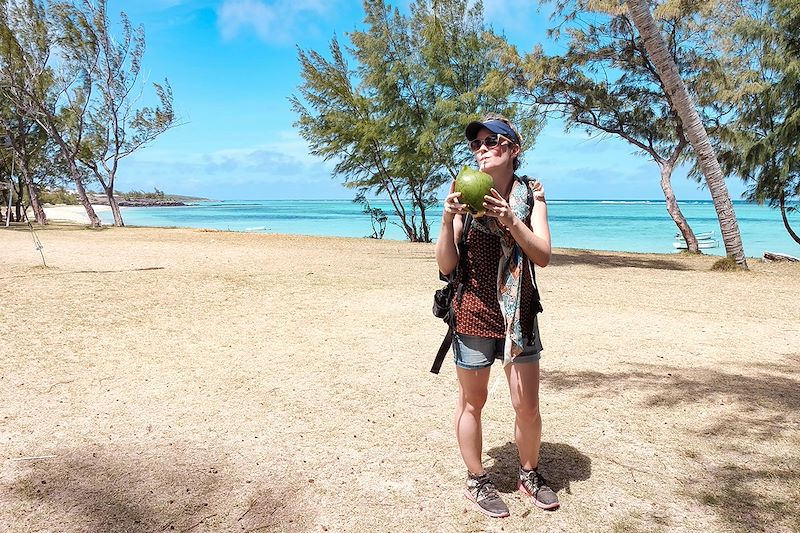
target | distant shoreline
x=167, y=200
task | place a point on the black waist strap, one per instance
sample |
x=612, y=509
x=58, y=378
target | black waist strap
x=448, y=340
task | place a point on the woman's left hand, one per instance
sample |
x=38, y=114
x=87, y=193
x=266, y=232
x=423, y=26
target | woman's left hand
x=497, y=207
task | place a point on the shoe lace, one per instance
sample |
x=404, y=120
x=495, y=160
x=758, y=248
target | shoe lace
x=533, y=480
x=486, y=489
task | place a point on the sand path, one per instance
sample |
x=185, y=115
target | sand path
x=162, y=379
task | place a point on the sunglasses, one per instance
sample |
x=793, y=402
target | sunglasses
x=490, y=141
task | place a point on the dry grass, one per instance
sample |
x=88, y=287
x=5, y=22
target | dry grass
x=162, y=379
x=726, y=264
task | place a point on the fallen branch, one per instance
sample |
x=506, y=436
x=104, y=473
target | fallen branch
x=774, y=256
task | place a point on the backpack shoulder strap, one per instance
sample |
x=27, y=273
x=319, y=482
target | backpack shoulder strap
x=537, y=302
x=467, y=224
x=528, y=180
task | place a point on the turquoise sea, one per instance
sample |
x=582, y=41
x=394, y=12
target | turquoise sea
x=621, y=225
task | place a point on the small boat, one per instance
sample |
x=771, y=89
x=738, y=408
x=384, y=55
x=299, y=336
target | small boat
x=699, y=236
x=705, y=240
x=702, y=244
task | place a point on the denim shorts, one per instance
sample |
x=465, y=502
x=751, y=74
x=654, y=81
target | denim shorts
x=472, y=352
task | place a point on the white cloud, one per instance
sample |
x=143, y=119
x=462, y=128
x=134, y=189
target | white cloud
x=282, y=169
x=285, y=159
x=273, y=22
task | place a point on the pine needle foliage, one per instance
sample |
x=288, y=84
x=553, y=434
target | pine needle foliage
x=62, y=67
x=393, y=121
x=115, y=125
x=761, y=143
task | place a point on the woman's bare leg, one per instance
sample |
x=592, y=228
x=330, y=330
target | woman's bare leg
x=472, y=393
x=523, y=383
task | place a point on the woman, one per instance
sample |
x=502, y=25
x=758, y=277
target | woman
x=496, y=311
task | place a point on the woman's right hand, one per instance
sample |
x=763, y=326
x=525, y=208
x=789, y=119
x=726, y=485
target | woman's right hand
x=452, y=207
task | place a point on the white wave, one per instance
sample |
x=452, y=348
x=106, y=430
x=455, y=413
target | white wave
x=631, y=202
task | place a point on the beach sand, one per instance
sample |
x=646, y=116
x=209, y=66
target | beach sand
x=72, y=213
x=166, y=379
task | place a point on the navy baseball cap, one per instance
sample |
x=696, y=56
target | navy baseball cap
x=495, y=126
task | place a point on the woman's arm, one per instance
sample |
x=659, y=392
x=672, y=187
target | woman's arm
x=450, y=233
x=534, y=240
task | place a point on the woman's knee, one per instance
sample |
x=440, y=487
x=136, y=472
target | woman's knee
x=473, y=388
x=523, y=384
x=526, y=408
x=474, y=399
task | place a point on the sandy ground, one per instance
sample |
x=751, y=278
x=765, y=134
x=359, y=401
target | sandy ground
x=182, y=380
x=72, y=213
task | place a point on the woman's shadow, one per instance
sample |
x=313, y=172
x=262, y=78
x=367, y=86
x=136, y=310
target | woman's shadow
x=559, y=463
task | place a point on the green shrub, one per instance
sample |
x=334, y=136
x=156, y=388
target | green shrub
x=137, y=195
x=57, y=196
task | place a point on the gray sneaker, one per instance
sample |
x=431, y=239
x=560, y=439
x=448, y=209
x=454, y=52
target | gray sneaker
x=531, y=483
x=482, y=492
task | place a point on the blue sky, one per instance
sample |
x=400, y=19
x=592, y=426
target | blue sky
x=233, y=65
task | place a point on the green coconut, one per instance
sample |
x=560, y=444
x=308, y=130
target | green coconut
x=473, y=186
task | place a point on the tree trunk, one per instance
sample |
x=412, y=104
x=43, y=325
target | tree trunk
x=7, y=188
x=19, y=206
x=47, y=121
x=792, y=234
x=112, y=201
x=94, y=220
x=695, y=131
x=397, y=203
x=38, y=211
x=423, y=218
x=675, y=211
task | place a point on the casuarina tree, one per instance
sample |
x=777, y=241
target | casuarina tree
x=61, y=67
x=55, y=97
x=393, y=123
x=760, y=43
x=115, y=126
x=23, y=152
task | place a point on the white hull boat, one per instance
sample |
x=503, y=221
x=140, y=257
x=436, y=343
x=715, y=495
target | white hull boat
x=705, y=240
x=706, y=235
x=701, y=244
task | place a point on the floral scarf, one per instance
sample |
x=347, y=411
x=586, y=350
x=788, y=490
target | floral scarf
x=511, y=267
